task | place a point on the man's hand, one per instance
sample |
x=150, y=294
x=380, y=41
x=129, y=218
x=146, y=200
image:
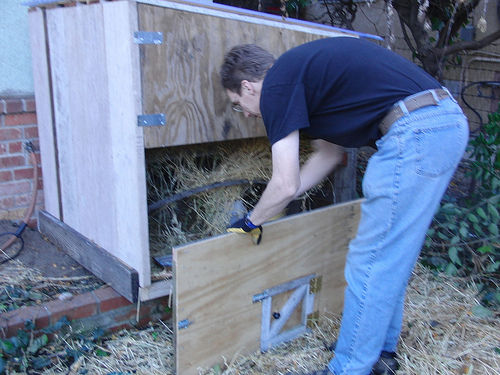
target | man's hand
x=245, y=226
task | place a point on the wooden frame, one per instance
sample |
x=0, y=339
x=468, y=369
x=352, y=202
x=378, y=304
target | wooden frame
x=124, y=279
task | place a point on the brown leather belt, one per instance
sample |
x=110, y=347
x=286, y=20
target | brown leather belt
x=412, y=103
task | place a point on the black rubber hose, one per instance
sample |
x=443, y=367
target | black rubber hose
x=152, y=208
x=479, y=83
x=27, y=215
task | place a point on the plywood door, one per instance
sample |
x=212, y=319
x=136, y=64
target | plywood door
x=180, y=77
x=215, y=281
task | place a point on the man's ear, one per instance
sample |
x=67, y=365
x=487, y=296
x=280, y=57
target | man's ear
x=247, y=86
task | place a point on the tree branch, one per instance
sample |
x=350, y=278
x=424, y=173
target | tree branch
x=468, y=46
x=407, y=38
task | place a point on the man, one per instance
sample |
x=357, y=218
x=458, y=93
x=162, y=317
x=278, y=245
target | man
x=348, y=92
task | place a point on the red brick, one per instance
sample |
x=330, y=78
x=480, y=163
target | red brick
x=146, y=308
x=109, y=299
x=10, y=134
x=23, y=200
x=29, y=105
x=15, y=147
x=4, y=147
x=126, y=314
x=20, y=119
x=80, y=306
x=14, y=188
x=3, y=106
x=14, y=105
x=17, y=318
x=31, y=131
x=163, y=304
x=6, y=176
x=12, y=161
x=23, y=174
x=6, y=203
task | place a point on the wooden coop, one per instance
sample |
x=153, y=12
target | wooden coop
x=115, y=78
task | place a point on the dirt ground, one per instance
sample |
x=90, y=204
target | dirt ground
x=39, y=271
x=40, y=254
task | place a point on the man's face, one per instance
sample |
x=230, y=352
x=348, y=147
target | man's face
x=249, y=100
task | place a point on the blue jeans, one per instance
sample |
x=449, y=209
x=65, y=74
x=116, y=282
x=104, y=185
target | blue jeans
x=403, y=185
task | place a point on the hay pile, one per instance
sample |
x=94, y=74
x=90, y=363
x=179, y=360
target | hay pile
x=207, y=214
x=441, y=336
x=149, y=351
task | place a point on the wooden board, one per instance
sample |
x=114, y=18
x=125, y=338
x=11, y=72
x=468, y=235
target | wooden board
x=107, y=267
x=95, y=82
x=44, y=110
x=180, y=77
x=215, y=280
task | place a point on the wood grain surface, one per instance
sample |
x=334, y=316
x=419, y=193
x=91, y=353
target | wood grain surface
x=215, y=280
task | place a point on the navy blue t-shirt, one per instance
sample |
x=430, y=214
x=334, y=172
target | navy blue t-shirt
x=337, y=89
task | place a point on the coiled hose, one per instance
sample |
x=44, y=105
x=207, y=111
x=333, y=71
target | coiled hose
x=13, y=237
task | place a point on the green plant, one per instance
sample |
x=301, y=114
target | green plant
x=486, y=156
x=23, y=351
x=464, y=236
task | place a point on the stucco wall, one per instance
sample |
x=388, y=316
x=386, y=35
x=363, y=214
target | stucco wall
x=16, y=74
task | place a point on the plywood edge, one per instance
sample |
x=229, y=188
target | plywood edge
x=104, y=265
x=354, y=204
x=156, y=290
x=44, y=110
x=245, y=15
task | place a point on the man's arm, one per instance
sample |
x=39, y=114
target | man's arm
x=326, y=157
x=285, y=180
x=288, y=179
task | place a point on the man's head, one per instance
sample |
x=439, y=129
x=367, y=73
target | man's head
x=244, y=62
x=242, y=74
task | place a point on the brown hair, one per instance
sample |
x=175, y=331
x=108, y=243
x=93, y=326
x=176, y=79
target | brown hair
x=244, y=62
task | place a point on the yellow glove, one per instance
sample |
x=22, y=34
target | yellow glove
x=245, y=226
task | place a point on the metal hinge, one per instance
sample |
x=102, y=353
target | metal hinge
x=184, y=324
x=148, y=37
x=272, y=332
x=312, y=319
x=151, y=120
x=315, y=284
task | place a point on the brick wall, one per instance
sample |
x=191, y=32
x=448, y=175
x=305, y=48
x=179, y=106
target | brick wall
x=18, y=125
x=102, y=308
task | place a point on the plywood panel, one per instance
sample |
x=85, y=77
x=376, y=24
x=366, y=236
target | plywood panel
x=215, y=281
x=96, y=94
x=181, y=76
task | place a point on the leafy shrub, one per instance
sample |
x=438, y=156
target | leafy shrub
x=24, y=351
x=464, y=236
